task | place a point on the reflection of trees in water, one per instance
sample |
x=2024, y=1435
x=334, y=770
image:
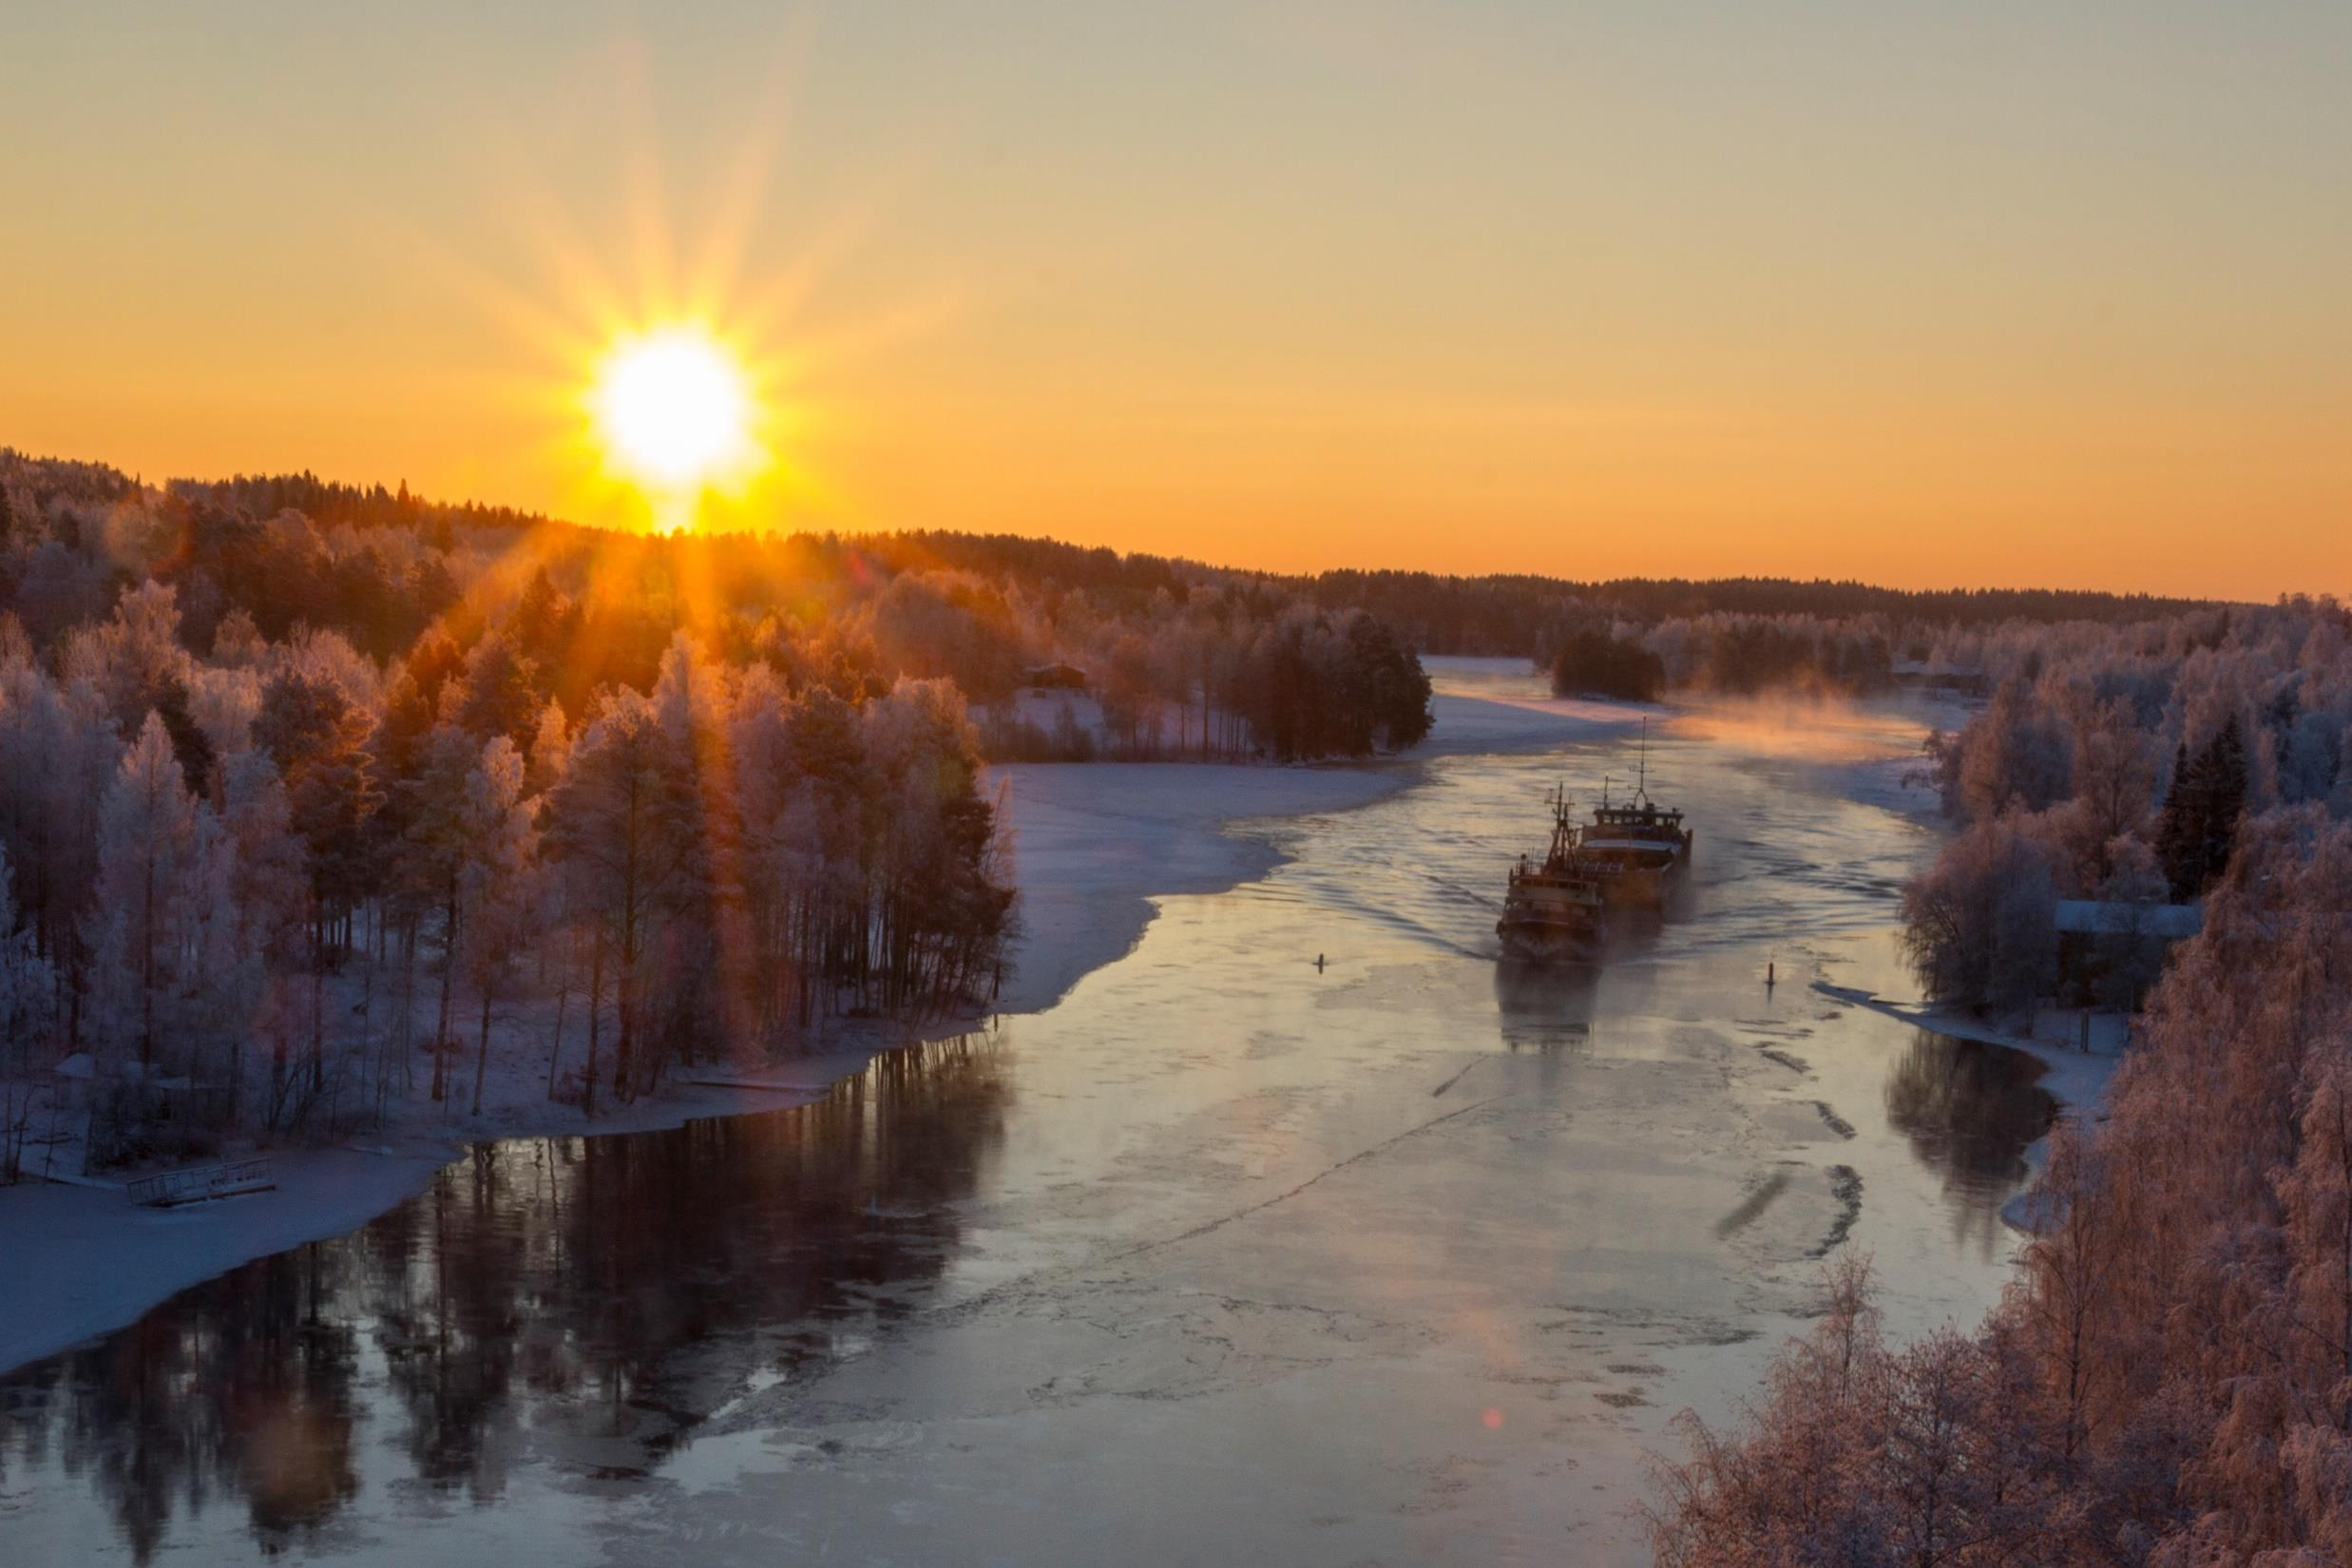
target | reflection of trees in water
x=1969, y=1110
x=541, y=1287
x=248, y=1396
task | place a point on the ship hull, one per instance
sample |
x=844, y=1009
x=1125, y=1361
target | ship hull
x=1550, y=939
x=1642, y=888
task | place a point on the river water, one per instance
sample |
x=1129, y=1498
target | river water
x=1222, y=1258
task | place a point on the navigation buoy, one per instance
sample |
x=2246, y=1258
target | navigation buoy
x=1318, y=962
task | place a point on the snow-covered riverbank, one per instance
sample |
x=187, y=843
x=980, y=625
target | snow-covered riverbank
x=2074, y=1076
x=1096, y=843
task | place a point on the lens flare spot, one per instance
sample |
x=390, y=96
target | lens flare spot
x=1493, y=1419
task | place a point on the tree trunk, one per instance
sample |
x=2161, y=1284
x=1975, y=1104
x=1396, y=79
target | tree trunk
x=596, y=1018
x=562, y=997
x=448, y=973
x=318, y=1009
x=482, y=1050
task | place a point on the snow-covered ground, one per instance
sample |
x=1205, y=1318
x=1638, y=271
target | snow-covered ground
x=1096, y=843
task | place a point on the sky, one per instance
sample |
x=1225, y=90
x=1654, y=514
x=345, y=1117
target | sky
x=1984, y=293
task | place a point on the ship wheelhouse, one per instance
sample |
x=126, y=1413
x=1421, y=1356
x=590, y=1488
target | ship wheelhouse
x=1642, y=836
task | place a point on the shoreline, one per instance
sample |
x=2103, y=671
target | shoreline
x=2076, y=1079
x=1097, y=845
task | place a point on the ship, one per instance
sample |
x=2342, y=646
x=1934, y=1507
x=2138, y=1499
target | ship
x=1638, y=851
x=1557, y=909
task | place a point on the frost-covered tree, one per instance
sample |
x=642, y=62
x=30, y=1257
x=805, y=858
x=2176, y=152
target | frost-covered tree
x=28, y=986
x=624, y=823
x=1978, y=924
x=497, y=882
x=437, y=847
x=2169, y=1381
x=496, y=692
x=270, y=893
x=146, y=843
x=58, y=753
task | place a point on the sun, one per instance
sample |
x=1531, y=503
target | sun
x=674, y=407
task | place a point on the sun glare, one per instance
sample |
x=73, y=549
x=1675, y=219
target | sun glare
x=674, y=409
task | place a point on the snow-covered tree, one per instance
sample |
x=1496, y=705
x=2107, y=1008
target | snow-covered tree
x=146, y=843
x=27, y=985
x=624, y=822
x=497, y=882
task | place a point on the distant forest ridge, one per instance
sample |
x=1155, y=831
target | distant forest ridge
x=1154, y=661
x=1508, y=614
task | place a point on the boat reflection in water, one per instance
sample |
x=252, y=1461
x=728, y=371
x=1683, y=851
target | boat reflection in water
x=585, y=1301
x=1545, y=1007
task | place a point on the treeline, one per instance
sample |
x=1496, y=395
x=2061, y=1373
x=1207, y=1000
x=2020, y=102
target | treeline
x=2121, y=765
x=1727, y=654
x=983, y=609
x=1520, y=616
x=1592, y=661
x=2169, y=1382
x=272, y=888
x=1183, y=660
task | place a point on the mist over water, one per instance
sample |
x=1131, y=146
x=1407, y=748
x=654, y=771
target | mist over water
x=1220, y=1258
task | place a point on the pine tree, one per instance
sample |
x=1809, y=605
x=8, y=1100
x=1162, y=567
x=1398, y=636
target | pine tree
x=2224, y=766
x=2198, y=827
x=497, y=693
x=2180, y=833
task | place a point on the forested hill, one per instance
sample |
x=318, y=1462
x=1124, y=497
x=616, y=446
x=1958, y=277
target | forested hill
x=1517, y=614
x=1521, y=615
x=1169, y=659
x=1497, y=613
x=1179, y=657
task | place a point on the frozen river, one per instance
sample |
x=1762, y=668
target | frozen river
x=1221, y=1258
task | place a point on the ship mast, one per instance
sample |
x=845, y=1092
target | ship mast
x=1563, y=826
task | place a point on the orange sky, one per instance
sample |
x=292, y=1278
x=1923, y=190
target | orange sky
x=1922, y=295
